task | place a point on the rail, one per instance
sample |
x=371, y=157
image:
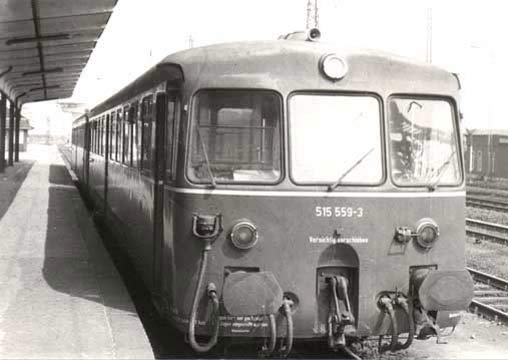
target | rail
x=488, y=279
x=486, y=202
x=487, y=231
x=491, y=296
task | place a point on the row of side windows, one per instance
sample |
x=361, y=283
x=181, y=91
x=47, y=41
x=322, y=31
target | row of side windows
x=128, y=135
x=131, y=137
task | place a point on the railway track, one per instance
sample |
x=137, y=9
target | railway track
x=484, y=230
x=486, y=202
x=490, y=296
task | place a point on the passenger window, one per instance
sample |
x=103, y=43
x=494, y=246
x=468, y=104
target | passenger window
x=170, y=126
x=107, y=136
x=112, y=136
x=95, y=137
x=139, y=134
x=101, y=135
x=126, y=138
x=119, y=127
x=133, y=119
x=146, y=145
x=91, y=137
x=104, y=133
x=98, y=136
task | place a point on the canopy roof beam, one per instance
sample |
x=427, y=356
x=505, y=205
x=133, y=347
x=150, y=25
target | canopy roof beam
x=37, y=38
x=37, y=27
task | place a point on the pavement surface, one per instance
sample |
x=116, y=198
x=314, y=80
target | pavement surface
x=61, y=294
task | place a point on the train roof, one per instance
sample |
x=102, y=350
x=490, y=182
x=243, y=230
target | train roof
x=483, y=132
x=236, y=53
x=258, y=62
x=290, y=65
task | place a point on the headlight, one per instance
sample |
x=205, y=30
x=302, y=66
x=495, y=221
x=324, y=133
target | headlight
x=427, y=232
x=333, y=66
x=244, y=235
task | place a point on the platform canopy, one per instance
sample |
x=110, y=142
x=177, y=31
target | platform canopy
x=45, y=44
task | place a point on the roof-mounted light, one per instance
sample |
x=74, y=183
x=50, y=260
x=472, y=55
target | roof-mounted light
x=333, y=66
x=313, y=34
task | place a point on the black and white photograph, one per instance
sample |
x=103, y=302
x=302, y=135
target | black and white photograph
x=221, y=179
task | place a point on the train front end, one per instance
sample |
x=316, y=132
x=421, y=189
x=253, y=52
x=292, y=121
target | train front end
x=327, y=208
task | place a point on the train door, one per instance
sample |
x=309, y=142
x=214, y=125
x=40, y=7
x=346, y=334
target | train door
x=158, y=206
x=86, y=152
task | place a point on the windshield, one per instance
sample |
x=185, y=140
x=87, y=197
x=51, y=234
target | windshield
x=235, y=137
x=423, y=142
x=335, y=137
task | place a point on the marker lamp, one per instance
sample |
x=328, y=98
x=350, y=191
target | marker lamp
x=244, y=235
x=427, y=232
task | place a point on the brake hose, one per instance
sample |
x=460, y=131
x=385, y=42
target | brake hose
x=268, y=350
x=403, y=303
x=286, y=311
x=386, y=304
x=212, y=294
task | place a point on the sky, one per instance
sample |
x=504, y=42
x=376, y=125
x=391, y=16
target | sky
x=467, y=38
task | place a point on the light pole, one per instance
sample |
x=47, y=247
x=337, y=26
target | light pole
x=429, y=36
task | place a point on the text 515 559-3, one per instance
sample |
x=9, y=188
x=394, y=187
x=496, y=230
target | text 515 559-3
x=338, y=211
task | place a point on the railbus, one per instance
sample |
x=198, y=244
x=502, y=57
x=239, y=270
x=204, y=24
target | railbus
x=285, y=190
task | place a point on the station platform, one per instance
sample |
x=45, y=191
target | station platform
x=60, y=294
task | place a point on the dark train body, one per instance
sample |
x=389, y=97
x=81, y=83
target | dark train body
x=306, y=182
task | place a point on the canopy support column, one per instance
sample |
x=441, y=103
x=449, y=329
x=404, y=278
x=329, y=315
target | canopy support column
x=3, y=115
x=11, y=134
x=16, y=134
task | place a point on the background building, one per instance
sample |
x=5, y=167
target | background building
x=486, y=153
x=24, y=127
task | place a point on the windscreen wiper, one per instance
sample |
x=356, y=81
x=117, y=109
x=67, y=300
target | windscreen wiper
x=358, y=162
x=441, y=171
x=213, y=184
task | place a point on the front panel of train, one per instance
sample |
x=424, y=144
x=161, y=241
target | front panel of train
x=344, y=219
